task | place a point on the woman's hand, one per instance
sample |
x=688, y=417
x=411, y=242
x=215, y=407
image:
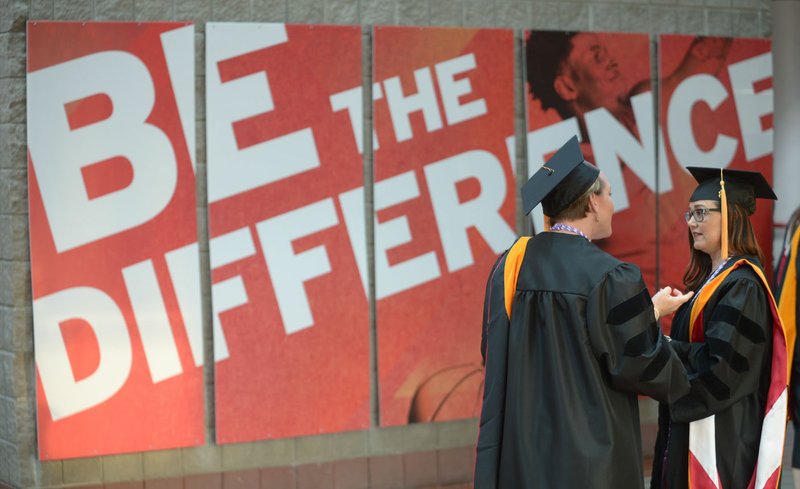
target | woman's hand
x=668, y=300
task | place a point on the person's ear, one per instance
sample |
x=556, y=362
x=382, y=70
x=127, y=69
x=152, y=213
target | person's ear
x=593, y=203
x=565, y=88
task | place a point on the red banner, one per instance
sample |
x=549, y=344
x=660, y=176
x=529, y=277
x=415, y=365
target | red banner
x=444, y=205
x=286, y=220
x=113, y=233
x=597, y=86
x=716, y=110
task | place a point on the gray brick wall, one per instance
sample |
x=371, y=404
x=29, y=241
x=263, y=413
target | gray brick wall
x=19, y=465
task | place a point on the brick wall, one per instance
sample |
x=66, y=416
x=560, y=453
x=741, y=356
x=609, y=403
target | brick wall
x=414, y=456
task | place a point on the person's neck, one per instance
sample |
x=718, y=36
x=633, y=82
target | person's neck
x=716, y=260
x=582, y=225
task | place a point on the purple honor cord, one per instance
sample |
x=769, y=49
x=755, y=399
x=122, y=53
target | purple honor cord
x=710, y=278
x=564, y=227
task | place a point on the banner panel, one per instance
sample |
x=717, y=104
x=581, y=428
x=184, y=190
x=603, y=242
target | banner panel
x=597, y=86
x=286, y=221
x=716, y=111
x=113, y=234
x=444, y=209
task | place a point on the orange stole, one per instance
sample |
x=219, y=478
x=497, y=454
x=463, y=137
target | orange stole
x=787, y=306
x=703, y=472
x=511, y=271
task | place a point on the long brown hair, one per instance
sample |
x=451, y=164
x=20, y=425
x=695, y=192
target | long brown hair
x=741, y=240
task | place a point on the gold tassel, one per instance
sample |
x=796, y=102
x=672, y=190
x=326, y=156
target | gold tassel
x=546, y=223
x=724, y=205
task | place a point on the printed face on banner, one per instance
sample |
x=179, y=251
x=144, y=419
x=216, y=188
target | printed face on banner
x=286, y=221
x=113, y=235
x=716, y=111
x=597, y=86
x=444, y=209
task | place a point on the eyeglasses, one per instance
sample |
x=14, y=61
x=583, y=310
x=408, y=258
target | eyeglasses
x=699, y=214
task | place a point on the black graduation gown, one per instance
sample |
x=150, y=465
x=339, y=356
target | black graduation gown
x=730, y=376
x=560, y=403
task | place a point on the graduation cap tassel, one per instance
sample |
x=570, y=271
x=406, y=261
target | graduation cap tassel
x=724, y=204
x=546, y=223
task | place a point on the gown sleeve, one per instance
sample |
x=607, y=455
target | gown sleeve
x=727, y=366
x=494, y=350
x=493, y=303
x=627, y=341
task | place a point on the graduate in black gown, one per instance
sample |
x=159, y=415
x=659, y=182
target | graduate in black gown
x=728, y=431
x=786, y=273
x=569, y=340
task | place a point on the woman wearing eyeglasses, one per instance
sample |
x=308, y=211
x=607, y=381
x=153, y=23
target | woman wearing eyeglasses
x=728, y=431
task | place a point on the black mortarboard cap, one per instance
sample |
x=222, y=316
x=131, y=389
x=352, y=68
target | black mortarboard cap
x=557, y=184
x=741, y=186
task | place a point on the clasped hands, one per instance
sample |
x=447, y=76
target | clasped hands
x=668, y=300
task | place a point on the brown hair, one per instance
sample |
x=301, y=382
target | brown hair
x=741, y=239
x=580, y=206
